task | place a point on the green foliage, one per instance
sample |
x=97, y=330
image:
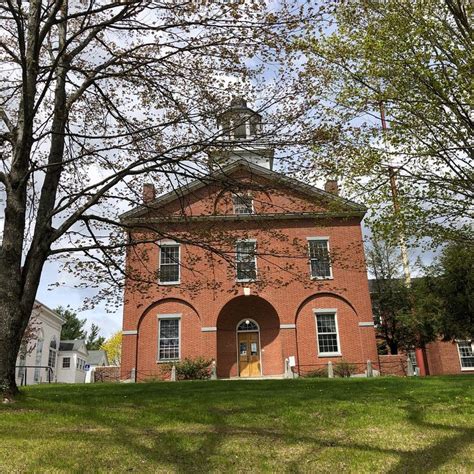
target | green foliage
x=448, y=292
x=415, y=60
x=198, y=368
x=94, y=341
x=73, y=327
x=344, y=369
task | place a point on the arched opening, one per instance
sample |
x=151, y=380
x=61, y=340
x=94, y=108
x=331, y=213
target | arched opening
x=232, y=328
x=248, y=349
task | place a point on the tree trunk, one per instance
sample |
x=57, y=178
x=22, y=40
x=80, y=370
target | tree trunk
x=13, y=322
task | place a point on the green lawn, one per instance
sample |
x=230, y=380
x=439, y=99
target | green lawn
x=311, y=425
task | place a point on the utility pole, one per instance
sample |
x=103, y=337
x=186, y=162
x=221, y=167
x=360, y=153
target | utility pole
x=396, y=208
x=419, y=352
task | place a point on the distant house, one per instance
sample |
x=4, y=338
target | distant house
x=72, y=362
x=37, y=359
x=95, y=359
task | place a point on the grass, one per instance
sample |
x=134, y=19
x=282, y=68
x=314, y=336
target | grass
x=312, y=425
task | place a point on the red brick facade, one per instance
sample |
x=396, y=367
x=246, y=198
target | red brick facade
x=442, y=358
x=282, y=301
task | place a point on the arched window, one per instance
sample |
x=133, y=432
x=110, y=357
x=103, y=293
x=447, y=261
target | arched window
x=247, y=325
x=39, y=353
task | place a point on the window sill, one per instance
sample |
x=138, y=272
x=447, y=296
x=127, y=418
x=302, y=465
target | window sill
x=322, y=278
x=169, y=283
x=253, y=280
x=170, y=361
x=467, y=369
x=332, y=354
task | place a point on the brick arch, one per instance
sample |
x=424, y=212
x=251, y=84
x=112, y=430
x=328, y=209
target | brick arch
x=265, y=315
x=348, y=329
x=147, y=335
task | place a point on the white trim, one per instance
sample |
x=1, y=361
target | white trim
x=169, y=316
x=366, y=324
x=237, y=332
x=320, y=239
x=287, y=326
x=162, y=317
x=131, y=332
x=169, y=243
x=323, y=312
x=209, y=329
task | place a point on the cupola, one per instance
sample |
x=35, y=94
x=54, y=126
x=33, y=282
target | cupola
x=241, y=137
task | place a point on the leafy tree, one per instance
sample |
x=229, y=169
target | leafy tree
x=94, y=341
x=452, y=287
x=405, y=318
x=97, y=98
x=412, y=61
x=73, y=327
x=113, y=347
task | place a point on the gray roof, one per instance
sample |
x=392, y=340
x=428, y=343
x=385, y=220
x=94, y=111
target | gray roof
x=73, y=345
x=96, y=357
x=224, y=173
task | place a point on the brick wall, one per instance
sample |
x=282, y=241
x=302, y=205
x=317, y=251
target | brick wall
x=209, y=296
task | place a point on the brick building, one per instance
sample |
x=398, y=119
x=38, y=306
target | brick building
x=247, y=267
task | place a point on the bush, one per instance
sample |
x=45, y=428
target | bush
x=321, y=372
x=344, y=369
x=191, y=369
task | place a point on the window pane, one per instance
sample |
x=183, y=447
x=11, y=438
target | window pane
x=327, y=333
x=169, y=339
x=328, y=343
x=242, y=204
x=466, y=354
x=326, y=323
x=246, y=265
x=169, y=263
x=319, y=256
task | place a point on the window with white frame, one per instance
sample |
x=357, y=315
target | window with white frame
x=319, y=258
x=168, y=344
x=243, y=204
x=66, y=362
x=466, y=355
x=328, y=338
x=52, y=353
x=246, y=260
x=169, y=263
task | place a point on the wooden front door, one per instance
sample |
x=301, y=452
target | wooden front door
x=249, y=354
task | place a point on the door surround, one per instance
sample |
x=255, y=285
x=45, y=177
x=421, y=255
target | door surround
x=253, y=328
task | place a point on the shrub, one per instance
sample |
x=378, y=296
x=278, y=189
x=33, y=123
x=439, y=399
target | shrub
x=321, y=372
x=344, y=369
x=191, y=369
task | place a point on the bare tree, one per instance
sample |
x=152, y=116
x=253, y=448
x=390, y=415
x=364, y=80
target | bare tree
x=98, y=97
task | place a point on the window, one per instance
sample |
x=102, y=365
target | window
x=169, y=263
x=168, y=339
x=66, y=362
x=466, y=355
x=246, y=260
x=319, y=258
x=328, y=340
x=52, y=354
x=247, y=325
x=243, y=204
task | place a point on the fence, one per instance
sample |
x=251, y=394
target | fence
x=22, y=373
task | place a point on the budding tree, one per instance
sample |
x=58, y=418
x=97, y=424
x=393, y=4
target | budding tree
x=96, y=98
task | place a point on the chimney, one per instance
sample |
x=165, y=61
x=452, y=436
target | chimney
x=331, y=187
x=148, y=193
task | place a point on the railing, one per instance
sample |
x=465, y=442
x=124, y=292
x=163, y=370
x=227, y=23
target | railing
x=24, y=373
